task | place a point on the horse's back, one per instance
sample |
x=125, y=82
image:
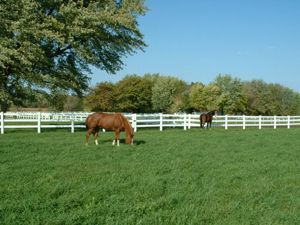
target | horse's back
x=93, y=119
x=107, y=121
x=110, y=122
x=203, y=117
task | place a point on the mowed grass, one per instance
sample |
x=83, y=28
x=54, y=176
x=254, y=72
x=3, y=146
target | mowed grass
x=171, y=177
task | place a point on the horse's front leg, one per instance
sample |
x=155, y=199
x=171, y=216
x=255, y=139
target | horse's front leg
x=117, y=138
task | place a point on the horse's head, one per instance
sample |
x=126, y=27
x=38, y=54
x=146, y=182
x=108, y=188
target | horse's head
x=129, y=136
x=129, y=131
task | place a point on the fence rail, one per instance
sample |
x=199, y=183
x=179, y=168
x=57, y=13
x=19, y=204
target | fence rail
x=72, y=120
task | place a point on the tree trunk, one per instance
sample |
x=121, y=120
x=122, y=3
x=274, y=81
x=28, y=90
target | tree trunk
x=4, y=106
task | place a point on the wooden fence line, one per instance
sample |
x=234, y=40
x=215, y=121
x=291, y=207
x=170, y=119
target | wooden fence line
x=43, y=120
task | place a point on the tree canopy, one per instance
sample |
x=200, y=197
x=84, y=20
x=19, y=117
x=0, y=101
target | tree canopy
x=133, y=94
x=166, y=92
x=48, y=46
x=226, y=94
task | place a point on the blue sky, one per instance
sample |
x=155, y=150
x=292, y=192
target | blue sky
x=195, y=40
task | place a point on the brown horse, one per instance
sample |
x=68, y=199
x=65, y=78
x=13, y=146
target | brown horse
x=111, y=122
x=206, y=119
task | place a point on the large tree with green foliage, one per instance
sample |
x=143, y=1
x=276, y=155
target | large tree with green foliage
x=284, y=100
x=196, y=96
x=231, y=99
x=102, y=97
x=166, y=93
x=133, y=94
x=204, y=98
x=258, y=98
x=270, y=99
x=49, y=46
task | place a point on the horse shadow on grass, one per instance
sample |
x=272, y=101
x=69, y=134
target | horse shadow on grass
x=122, y=141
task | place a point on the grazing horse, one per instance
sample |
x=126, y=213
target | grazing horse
x=112, y=122
x=206, y=119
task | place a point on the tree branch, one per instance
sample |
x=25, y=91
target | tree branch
x=60, y=51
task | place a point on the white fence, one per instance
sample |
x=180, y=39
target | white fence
x=43, y=120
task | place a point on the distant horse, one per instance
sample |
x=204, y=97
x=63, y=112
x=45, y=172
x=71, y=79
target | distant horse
x=206, y=119
x=111, y=122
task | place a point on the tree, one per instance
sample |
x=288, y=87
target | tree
x=284, y=101
x=73, y=103
x=258, y=97
x=57, y=100
x=102, y=97
x=270, y=99
x=183, y=102
x=166, y=93
x=196, y=96
x=48, y=46
x=134, y=94
x=211, y=97
x=204, y=98
x=231, y=99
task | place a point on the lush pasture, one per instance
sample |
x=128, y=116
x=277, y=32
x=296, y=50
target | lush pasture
x=172, y=177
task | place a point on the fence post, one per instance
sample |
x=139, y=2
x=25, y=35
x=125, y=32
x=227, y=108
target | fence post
x=289, y=122
x=226, y=122
x=39, y=123
x=160, y=121
x=244, y=122
x=134, y=123
x=184, y=121
x=189, y=121
x=275, y=122
x=259, y=122
x=2, y=122
x=72, y=126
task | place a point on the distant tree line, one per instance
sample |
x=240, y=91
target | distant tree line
x=226, y=94
x=156, y=93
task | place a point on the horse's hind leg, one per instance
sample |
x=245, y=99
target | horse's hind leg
x=96, y=133
x=87, y=136
x=114, y=141
x=204, y=124
x=118, y=138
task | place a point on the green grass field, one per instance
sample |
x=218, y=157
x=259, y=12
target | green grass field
x=171, y=177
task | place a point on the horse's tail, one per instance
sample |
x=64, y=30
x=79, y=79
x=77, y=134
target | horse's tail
x=92, y=120
x=87, y=122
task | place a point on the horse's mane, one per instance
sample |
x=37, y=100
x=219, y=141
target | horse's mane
x=125, y=122
x=211, y=112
